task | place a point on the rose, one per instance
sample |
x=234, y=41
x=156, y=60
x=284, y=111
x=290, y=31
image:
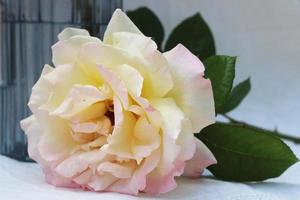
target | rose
x=118, y=115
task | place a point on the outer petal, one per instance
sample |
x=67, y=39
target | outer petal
x=41, y=90
x=119, y=22
x=70, y=32
x=138, y=180
x=78, y=163
x=65, y=51
x=135, y=44
x=172, y=118
x=33, y=133
x=192, y=92
x=202, y=159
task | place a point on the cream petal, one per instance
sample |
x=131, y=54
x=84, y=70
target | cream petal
x=202, y=159
x=56, y=142
x=192, y=92
x=33, y=132
x=60, y=87
x=116, y=84
x=135, y=44
x=70, y=32
x=120, y=139
x=119, y=22
x=101, y=126
x=172, y=118
x=80, y=97
x=153, y=68
x=132, y=79
x=146, y=139
x=41, y=90
x=152, y=114
x=121, y=171
x=66, y=51
x=186, y=141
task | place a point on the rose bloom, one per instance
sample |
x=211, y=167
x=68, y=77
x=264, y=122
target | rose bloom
x=118, y=115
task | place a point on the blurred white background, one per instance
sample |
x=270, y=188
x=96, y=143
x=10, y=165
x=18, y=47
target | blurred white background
x=265, y=35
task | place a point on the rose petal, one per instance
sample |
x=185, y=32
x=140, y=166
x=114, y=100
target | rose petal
x=81, y=97
x=78, y=163
x=123, y=170
x=65, y=51
x=138, y=180
x=119, y=22
x=153, y=68
x=172, y=118
x=120, y=139
x=135, y=44
x=70, y=32
x=202, y=159
x=192, y=92
x=59, y=87
x=41, y=90
x=116, y=84
x=101, y=182
x=146, y=139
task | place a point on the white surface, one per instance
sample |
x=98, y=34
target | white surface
x=265, y=35
x=25, y=181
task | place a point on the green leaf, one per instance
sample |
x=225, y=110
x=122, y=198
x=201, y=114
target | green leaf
x=148, y=23
x=220, y=70
x=195, y=34
x=237, y=95
x=245, y=153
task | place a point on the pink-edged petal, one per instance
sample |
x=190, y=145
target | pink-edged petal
x=162, y=183
x=70, y=32
x=84, y=177
x=138, y=180
x=77, y=163
x=202, y=159
x=119, y=23
x=59, y=181
x=101, y=182
x=192, y=92
x=33, y=132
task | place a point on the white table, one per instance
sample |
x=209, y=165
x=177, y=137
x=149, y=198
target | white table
x=25, y=181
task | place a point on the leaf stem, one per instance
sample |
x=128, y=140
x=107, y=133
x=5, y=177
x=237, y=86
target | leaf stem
x=275, y=132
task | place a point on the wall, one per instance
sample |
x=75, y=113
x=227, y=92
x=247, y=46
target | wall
x=265, y=35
